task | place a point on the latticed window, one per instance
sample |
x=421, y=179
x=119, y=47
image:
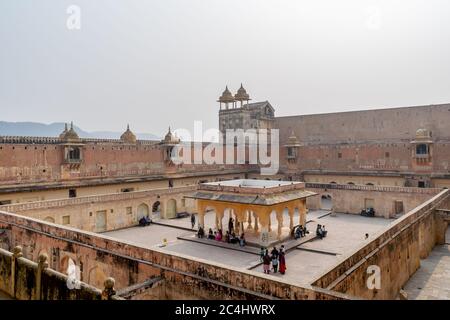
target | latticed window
x=421, y=149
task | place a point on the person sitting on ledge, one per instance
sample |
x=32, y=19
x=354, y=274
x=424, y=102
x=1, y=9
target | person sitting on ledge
x=200, y=232
x=298, y=233
x=210, y=234
x=242, y=241
x=227, y=237
x=145, y=221
x=233, y=238
x=219, y=235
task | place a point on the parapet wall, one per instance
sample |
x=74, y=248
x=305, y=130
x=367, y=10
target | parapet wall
x=23, y=279
x=396, y=251
x=354, y=198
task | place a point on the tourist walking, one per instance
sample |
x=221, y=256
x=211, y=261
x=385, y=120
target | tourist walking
x=193, y=220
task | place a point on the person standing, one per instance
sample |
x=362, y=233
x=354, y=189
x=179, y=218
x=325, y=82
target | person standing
x=282, y=260
x=230, y=225
x=275, y=263
x=193, y=220
x=266, y=262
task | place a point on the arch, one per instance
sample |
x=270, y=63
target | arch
x=96, y=277
x=143, y=211
x=351, y=183
x=49, y=219
x=326, y=202
x=369, y=184
x=171, y=209
x=333, y=182
x=156, y=207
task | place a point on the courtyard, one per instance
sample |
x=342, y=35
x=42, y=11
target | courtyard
x=305, y=261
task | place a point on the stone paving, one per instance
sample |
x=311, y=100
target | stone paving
x=345, y=232
x=432, y=280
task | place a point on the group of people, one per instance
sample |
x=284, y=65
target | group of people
x=321, y=232
x=276, y=258
x=300, y=232
x=145, y=221
x=229, y=237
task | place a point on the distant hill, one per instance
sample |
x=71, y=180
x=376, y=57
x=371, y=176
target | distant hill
x=37, y=129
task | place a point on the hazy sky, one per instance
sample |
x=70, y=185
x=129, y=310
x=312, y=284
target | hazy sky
x=155, y=63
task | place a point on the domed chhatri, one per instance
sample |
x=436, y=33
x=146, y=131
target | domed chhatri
x=293, y=140
x=423, y=133
x=242, y=94
x=69, y=134
x=128, y=136
x=171, y=138
x=227, y=98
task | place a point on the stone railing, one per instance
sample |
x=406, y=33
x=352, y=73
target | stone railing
x=57, y=140
x=253, y=190
x=18, y=207
x=23, y=279
x=357, y=187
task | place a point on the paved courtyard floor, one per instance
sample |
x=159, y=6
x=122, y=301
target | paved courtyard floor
x=304, y=264
x=432, y=280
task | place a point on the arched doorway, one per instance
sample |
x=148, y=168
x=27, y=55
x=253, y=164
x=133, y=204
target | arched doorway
x=142, y=211
x=156, y=209
x=326, y=202
x=171, y=210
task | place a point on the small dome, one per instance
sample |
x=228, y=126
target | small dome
x=170, y=138
x=128, y=136
x=242, y=94
x=226, y=96
x=69, y=134
x=293, y=140
x=422, y=134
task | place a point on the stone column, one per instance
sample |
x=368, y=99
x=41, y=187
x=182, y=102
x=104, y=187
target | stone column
x=201, y=214
x=291, y=218
x=280, y=223
x=249, y=220
x=302, y=212
x=217, y=220
x=42, y=265
x=264, y=218
x=221, y=219
x=270, y=222
x=256, y=222
x=17, y=253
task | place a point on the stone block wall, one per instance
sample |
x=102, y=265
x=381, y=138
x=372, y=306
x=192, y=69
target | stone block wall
x=396, y=251
x=354, y=198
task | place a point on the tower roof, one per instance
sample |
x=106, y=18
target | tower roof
x=226, y=96
x=242, y=94
x=70, y=134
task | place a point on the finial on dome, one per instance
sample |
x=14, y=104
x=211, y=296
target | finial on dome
x=128, y=136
